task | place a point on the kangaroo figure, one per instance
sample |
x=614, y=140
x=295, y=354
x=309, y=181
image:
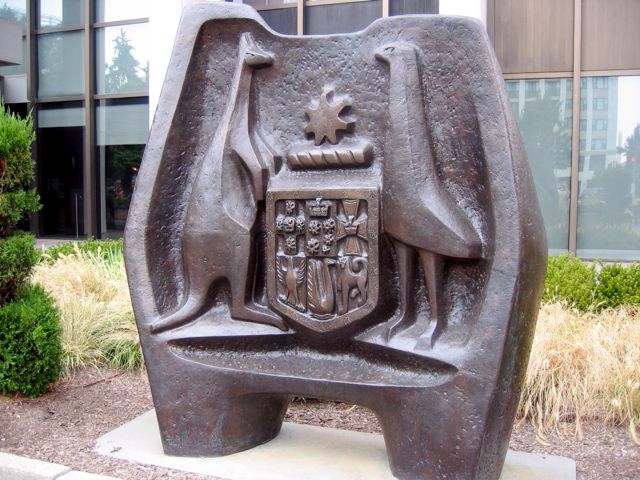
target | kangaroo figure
x=419, y=214
x=217, y=234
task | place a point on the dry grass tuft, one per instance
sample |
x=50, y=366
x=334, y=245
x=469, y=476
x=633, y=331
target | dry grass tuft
x=98, y=327
x=584, y=366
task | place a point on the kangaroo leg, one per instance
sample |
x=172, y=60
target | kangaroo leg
x=201, y=277
x=187, y=312
x=433, y=266
x=405, y=256
x=239, y=279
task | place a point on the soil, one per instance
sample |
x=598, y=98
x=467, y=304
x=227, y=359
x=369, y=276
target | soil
x=63, y=425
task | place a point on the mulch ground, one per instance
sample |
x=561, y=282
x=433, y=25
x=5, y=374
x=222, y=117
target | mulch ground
x=63, y=425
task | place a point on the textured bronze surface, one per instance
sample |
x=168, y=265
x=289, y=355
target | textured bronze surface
x=349, y=217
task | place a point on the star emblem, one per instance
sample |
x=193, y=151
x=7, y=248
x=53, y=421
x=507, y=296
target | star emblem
x=324, y=118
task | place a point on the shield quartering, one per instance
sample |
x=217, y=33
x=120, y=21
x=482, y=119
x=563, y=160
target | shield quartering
x=323, y=255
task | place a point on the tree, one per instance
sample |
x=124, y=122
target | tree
x=631, y=147
x=30, y=349
x=17, y=199
x=122, y=74
x=546, y=138
x=12, y=14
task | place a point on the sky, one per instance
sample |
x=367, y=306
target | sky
x=628, y=106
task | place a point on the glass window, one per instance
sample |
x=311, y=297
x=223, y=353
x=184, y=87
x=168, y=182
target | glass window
x=600, y=82
x=115, y=10
x=15, y=10
x=553, y=87
x=60, y=62
x=410, y=7
x=545, y=126
x=532, y=88
x=600, y=104
x=60, y=13
x=60, y=168
x=122, y=52
x=340, y=18
x=122, y=126
x=282, y=20
x=268, y=3
x=609, y=173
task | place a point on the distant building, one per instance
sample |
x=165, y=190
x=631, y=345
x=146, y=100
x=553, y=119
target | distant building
x=92, y=70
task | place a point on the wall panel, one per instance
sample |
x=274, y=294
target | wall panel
x=610, y=34
x=534, y=35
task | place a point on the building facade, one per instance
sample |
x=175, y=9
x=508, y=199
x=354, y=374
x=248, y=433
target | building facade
x=93, y=70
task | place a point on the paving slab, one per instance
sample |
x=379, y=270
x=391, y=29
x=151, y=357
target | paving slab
x=302, y=451
x=15, y=467
x=77, y=475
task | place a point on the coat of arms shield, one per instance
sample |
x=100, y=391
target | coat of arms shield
x=323, y=255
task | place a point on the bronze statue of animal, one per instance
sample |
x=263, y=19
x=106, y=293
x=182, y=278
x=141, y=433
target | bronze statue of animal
x=419, y=213
x=221, y=214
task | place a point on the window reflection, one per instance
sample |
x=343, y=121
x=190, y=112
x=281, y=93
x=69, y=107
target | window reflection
x=15, y=11
x=59, y=13
x=122, y=51
x=609, y=175
x=115, y=10
x=60, y=64
x=122, y=128
x=340, y=17
x=543, y=110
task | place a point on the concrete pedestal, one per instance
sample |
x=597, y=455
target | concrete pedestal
x=302, y=451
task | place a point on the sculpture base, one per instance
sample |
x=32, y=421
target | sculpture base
x=302, y=451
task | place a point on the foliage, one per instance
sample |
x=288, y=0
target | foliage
x=615, y=182
x=631, y=147
x=591, y=286
x=17, y=199
x=122, y=74
x=12, y=14
x=17, y=258
x=101, y=249
x=603, y=236
x=30, y=348
x=583, y=366
x=569, y=279
x=618, y=285
x=90, y=287
x=548, y=145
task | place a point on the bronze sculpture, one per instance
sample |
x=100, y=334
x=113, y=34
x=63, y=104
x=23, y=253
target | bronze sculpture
x=288, y=188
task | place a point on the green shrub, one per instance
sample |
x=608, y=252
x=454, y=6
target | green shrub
x=618, y=285
x=591, y=286
x=17, y=199
x=570, y=279
x=30, y=350
x=17, y=258
x=101, y=249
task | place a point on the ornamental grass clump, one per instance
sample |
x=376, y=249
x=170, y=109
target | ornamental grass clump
x=584, y=366
x=90, y=288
